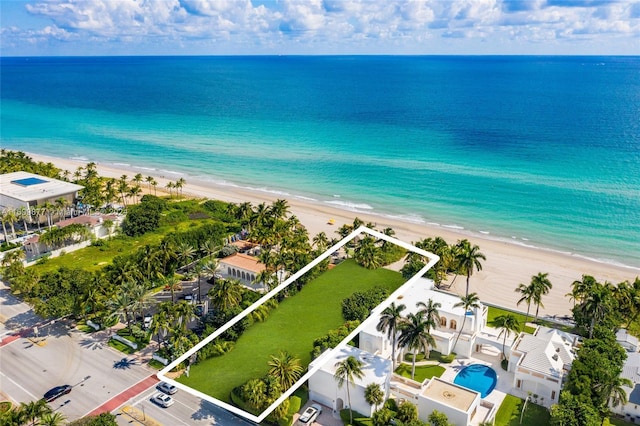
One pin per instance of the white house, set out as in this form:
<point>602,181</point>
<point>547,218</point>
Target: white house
<point>540,363</point>
<point>631,371</point>
<point>324,388</point>
<point>244,268</point>
<point>27,190</point>
<point>626,340</point>
<point>452,319</point>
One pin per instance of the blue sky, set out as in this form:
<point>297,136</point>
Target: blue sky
<point>247,27</point>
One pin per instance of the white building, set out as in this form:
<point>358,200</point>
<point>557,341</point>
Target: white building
<point>631,371</point>
<point>626,340</point>
<point>244,268</point>
<point>452,319</point>
<point>27,190</point>
<point>324,388</point>
<point>540,363</point>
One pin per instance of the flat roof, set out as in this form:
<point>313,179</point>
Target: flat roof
<point>374,368</point>
<point>450,394</point>
<point>25,186</point>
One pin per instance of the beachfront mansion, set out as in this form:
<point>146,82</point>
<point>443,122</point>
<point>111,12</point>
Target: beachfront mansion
<point>538,364</point>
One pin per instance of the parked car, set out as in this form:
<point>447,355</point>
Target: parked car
<point>57,392</point>
<point>199,311</point>
<point>162,400</point>
<point>310,415</point>
<point>167,388</point>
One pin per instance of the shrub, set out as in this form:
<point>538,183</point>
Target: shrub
<point>359,304</point>
<point>228,250</point>
<point>332,338</point>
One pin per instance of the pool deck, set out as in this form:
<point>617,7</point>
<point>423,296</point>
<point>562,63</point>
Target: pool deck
<point>491,358</point>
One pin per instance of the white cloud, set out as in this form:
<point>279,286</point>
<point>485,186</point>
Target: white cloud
<point>339,25</point>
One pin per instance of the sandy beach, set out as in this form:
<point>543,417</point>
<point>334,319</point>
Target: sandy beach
<point>507,264</point>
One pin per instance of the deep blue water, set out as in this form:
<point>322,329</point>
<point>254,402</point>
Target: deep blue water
<point>478,377</point>
<point>536,150</point>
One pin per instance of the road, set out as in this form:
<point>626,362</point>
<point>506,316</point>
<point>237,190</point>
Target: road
<point>31,366</point>
<point>187,410</point>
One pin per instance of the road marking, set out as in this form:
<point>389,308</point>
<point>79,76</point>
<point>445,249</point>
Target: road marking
<point>18,385</point>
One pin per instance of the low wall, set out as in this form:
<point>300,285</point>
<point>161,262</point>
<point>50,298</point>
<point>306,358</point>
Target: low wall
<point>125,341</point>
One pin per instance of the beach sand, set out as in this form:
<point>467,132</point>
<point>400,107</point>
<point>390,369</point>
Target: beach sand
<point>507,265</point>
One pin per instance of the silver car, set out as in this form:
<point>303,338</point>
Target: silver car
<point>167,388</point>
<point>162,400</point>
<point>310,415</point>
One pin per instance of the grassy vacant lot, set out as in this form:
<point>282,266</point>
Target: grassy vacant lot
<point>509,413</point>
<point>292,326</point>
<point>422,371</point>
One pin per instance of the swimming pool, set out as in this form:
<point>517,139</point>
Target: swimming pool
<point>478,377</point>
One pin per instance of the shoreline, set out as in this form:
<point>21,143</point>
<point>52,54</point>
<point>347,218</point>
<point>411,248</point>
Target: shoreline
<point>508,262</point>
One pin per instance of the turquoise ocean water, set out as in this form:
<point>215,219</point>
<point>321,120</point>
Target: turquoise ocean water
<point>543,151</point>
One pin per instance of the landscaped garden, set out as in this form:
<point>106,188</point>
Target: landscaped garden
<point>423,372</point>
<point>293,326</point>
<point>511,409</point>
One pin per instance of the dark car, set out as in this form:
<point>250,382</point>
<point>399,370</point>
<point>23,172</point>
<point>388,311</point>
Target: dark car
<point>57,392</point>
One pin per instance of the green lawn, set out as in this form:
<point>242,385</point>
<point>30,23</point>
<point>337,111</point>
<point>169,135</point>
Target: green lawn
<point>619,422</point>
<point>496,312</point>
<point>422,371</point>
<point>292,326</point>
<point>509,413</point>
<point>93,258</point>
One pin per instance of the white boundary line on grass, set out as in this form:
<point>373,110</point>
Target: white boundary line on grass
<point>328,354</point>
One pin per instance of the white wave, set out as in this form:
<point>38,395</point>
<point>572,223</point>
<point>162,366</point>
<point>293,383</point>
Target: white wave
<point>484,232</point>
<point>336,196</point>
<point>302,197</point>
<point>433,223</point>
<point>267,190</point>
<point>350,206</point>
<point>172,172</point>
<point>151,169</point>
<point>79,158</point>
<point>411,218</point>
<point>453,227</point>
<point>122,164</point>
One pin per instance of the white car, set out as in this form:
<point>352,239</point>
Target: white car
<point>162,400</point>
<point>310,415</point>
<point>167,388</point>
<point>148,320</point>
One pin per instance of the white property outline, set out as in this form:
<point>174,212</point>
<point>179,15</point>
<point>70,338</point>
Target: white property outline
<point>327,355</point>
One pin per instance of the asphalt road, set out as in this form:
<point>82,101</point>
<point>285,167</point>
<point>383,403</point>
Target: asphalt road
<point>186,410</point>
<point>30,366</point>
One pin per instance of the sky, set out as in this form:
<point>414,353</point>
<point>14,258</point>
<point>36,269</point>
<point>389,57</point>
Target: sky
<point>326,27</point>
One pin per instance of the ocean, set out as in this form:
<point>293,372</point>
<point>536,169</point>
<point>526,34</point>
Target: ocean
<point>540,151</point>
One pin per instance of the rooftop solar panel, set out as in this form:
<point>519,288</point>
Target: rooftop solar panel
<point>29,181</point>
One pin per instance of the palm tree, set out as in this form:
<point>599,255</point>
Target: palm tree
<point>149,180</point>
<point>138,178</point>
<point>61,204</point>
<point>209,247</point>
<point>468,260</point>
<point>430,313</point>
<point>52,419</point>
<point>185,253</point>
<point>614,390</point>
<point>279,208</point>
<point>121,306</point>
<point>154,183</point>
<point>506,324</point>
<point>3,215</point>
<point>374,395</point>
<point>597,304</point>
<point>254,392</point>
<point>528,294</point>
<point>48,211</point>
<point>415,336</point>
<point>367,253</point>
<point>286,368</point>
<point>226,294</point>
<point>34,410</point>
<point>468,302</point>
<point>580,289</point>
<point>172,282</point>
<point>180,183</point>
<point>123,188</point>
<point>134,192</point>
<point>11,218</point>
<point>170,185</point>
<point>347,371</point>
<point>389,322</point>
<point>541,285</point>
